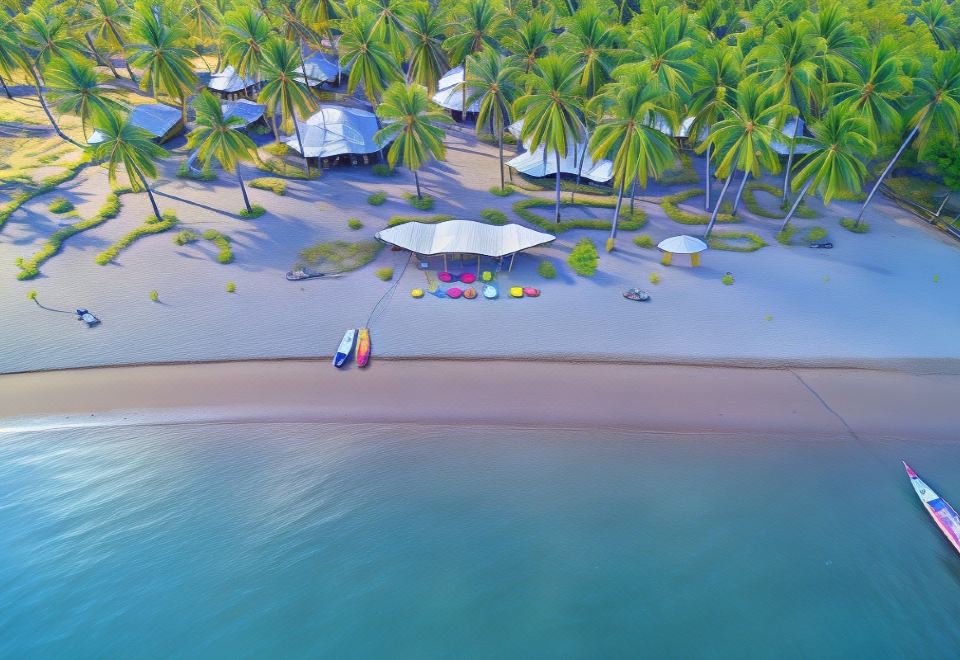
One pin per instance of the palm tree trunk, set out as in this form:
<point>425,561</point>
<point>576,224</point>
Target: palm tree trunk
<point>296,128</point>
<point>743,184</point>
<point>633,195</point>
<point>6,91</point>
<point>616,211</point>
<point>146,186</point>
<point>416,180</point>
<point>706,183</point>
<point>583,157</point>
<point>243,190</point>
<point>46,110</point>
<point>889,166</point>
<point>463,114</point>
<point>98,57</point>
<point>786,176</point>
<point>713,216</point>
<point>500,147</point>
<point>796,203</point>
<point>557,154</point>
<point>123,47</point>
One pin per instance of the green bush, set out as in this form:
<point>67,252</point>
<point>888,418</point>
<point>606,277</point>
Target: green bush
<point>546,269</point>
<point>184,171</point>
<point>681,173</point>
<point>750,201</point>
<point>154,296</point>
<point>494,217</point>
<point>727,279</point>
<point>273,184</point>
<point>60,205</point>
<point>32,294</point>
<point>231,287</point>
<point>185,236</point>
<point>427,219</point>
<point>354,224</point>
<point>628,221</point>
<point>277,149</point>
<point>382,169</point>
<point>785,236</point>
<point>643,241</point>
<point>339,256</point>
<point>654,278</point>
<point>255,212</point>
<point>377,198</point>
<point>152,226</point>
<point>584,258</point>
<point>506,191</point>
<point>225,256</point>
<point>815,235</point>
<point>749,242</point>
<point>385,274</point>
<point>549,184</point>
<point>424,203</point>
<point>48,184</point>
<point>670,204</point>
<point>851,225</point>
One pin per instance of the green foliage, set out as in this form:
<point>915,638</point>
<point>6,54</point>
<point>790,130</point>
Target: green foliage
<point>548,184</point>
<point>628,221</point>
<point>750,201</point>
<point>184,171</point>
<point>32,294</point>
<point>643,241</point>
<point>546,269</point>
<point>424,203</point>
<point>377,198</point>
<point>382,169</point>
<point>815,235</point>
<point>354,224</point>
<point>851,225</point>
<point>919,191</point>
<point>255,212</point>
<point>785,237</point>
<point>494,216</point>
<point>278,149</point>
<point>47,185</point>
<point>282,168</point>
<point>670,204</point>
<point>152,226</point>
<point>385,274</point>
<point>225,256</point>
<point>743,241</point>
<point>231,287</point>
<point>727,279</point>
<point>584,258</point>
<point>654,278</point>
<point>154,296</point>
<point>60,205</point>
<point>506,191</point>
<point>427,219</point>
<point>683,173</point>
<point>277,186</point>
<point>945,157</point>
<point>339,256</point>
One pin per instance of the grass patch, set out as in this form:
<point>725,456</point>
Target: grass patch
<point>494,216</point>
<point>354,224</point>
<point>743,241</point>
<point>30,268</point>
<point>506,191</point>
<point>377,198</point>
<point>424,203</point>
<point>670,204</point>
<point>628,221</point>
<point>681,173</point>
<point>282,168</point>
<point>845,196</point>
<point>273,184</point>
<point>643,241</point>
<point>48,184</point>
<point>487,138</point>
<point>278,149</point>
<point>427,219</point>
<point>154,296</point>
<point>151,226</point>
<point>547,270</point>
<point>750,201</point>
<point>785,237</point>
<point>184,171</point>
<point>185,237</point>
<point>255,212</point>
<point>727,279</point>
<point>919,191</point>
<point>385,274</point>
<point>231,287</point>
<point>584,258</point>
<point>60,205</point>
<point>339,256</point>
<point>32,294</point>
<point>654,278</point>
<point>815,235</point>
<point>382,169</point>
<point>222,241</point>
<point>851,225</point>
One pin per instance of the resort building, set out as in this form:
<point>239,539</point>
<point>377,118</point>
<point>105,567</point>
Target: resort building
<point>248,111</point>
<point>161,121</point>
<point>537,163</point>
<point>337,131</point>
<point>230,85</point>
<point>450,95</point>
<point>322,68</point>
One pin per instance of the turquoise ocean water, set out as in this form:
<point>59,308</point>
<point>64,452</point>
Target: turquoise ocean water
<point>281,540</point>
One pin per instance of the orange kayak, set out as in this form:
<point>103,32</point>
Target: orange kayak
<point>363,347</point>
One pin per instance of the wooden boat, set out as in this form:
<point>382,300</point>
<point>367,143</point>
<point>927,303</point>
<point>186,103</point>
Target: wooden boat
<point>345,348</point>
<point>303,274</point>
<point>942,513</point>
<point>87,317</point>
<point>363,347</point>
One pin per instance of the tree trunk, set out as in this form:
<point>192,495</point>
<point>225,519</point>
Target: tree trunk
<point>557,154</point>
<point>616,211</point>
<point>123,47</point>
<point>796,203</point>
<point>98,57</point>
<point>583,157</point>
<point>713,216</point>
<point>889,166</point>
<point>243,190</point>
<point>786,176</point>
<point>416,180</point>
<point>633,195</point>
<point>6,91</point>
<point>743,184</point>
<point>296,128</point>
<point>46,110</point>
<point>463,114</point>
<point>706,183</point>
<point>500,147</point>
<point>146,186</point>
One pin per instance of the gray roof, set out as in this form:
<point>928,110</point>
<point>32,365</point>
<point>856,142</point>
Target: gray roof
<point>335,130</point>
<point>228,82</point>
<point>321,68</point>
<point>246,110</point>
<point>155,118</point>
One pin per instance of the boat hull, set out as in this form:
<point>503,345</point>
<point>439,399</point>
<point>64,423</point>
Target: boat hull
<point>345,349</point>
<point>940,511</point>
<point>363,347</point>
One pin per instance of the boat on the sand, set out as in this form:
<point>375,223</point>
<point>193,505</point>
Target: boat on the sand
<point>88,318</point>
<point>942,513</point>
<point>304,274</point>
<point>363,347</point>
<point>345,348</point>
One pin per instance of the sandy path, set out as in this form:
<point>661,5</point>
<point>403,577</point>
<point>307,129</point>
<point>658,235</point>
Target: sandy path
<point>824,402</point>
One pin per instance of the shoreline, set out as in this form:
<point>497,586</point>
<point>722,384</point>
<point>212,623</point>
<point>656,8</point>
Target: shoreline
<point>658,398</point>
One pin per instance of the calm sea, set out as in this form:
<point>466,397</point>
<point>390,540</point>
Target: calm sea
<point>277,540</point>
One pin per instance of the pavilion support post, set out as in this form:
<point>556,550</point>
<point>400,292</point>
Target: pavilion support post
<point>445,268</point>
<point>512,257</point>
<point>667,258</point>
<point>478,266</point>
<point>694,259</point>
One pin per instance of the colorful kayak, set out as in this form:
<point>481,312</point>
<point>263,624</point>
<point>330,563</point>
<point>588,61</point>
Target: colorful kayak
<point>345,348</point>
<point>363,347</point>
<point>942,513</point>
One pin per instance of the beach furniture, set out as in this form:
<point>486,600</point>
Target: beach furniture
<point>454,292</point>
<point>417,293</point>
<point>467,278</point>
<point>363,347</point>
<point>303,274</point>
<point>681,244</point>
<point>486,276</point>
<point>345,348</point>
<point>469,293</point>
<point>636,294</point>
<point>824,246</point>
<point>530,292</point>
<point>942,513</point>
<point>516,292</point>
<point>438,292</point>
<point>88,318</point>
<point>445,277</point>
<point>490,292</point>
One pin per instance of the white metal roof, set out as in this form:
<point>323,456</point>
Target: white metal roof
<point>682,244</point>
<point>246,110</point>
<point>452,77</point>
<point>451,98</point>
<point>463,236</point>
<point>783,148</point>
<point>155,118</point>
<point>533,163</point>
<point>320,68</point>
<point>336,130</point>
<point>228,82</point>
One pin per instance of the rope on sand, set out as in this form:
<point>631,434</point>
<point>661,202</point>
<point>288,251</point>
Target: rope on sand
<point>381,305</point>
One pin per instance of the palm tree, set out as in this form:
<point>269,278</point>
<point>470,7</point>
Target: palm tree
<point>743,138</point>
<point>202,20</point>
<point>939,18</point>
<point>552,109</point>
<point>493,84</point>
<point>787,66</point>
<point>220,138</point>
<point>665,49</point>
<point>46,35</point>
<point>840,141</point>
<point>424,29</point>
<point>410,122</point>
<point>832,26</point>
<point>156,46</point>
<point>388,24</point>
<point>595,43</point>
<point>244,34</point>
<point>530,38</point>
<point>284,94</point>
<point>11,54</point>
<point>131,147</point>
<point>639,151</point>
<point>75,87</point>
<point>938,113</point>
<point>371,63</point>
<point>475,27</point>
<point>109,20</point>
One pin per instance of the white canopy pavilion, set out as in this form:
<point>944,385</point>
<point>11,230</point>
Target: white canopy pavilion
<point>537,164</point>
<point>682,244</point>
<point>337,130</point>
<point>450,94</point>
<point>229,83</point>
<point>248,111</point>
<point>321,68</point>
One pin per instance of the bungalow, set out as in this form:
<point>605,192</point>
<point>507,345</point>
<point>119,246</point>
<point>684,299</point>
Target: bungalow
<point>162,122</point>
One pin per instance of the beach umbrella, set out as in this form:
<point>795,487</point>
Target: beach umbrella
<point>682,244</point>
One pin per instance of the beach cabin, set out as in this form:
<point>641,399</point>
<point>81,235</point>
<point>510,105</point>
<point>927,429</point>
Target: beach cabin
<point>336,133</point>
<point>161,121</point>
<point>322,68</point>
<point>538,164</point>
<point>250,112</point>
<point>230,85</point>
<point>450,95</point>
<point>783,147</point>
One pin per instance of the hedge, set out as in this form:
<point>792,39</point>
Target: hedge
<point>628,221</point>
<point>670,204</point>
<point>750,201</point>
<point>719,241</point>
<point>222,241</point>
<point>152,226</point>
<point>273,184</point>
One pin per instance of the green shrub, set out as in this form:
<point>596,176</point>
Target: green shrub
<point>184,171</point>
<point>815,235</point>
<point>231,287</point>
<point>48,184</point>
<point>584,258</point>
<point>225,256</point>
<point>385,274</point>
<point>643,241</point>
<point>546,269</point>
<point>494,216</point>
<point>750,201</point>
<point>427,219</point>
<point>785,237</point>
<point>32,294</point>
<point>654,278</point>
<point>727,279</point>
<point>152,226</point>
<point>277,149</point>
<point>339,256</point>
<point>273,184</point>
<point>549,184</point>
<point>851,225</point>
<point>670,204</point>
<point>424,203</point>
<point>628,221</point>
<point>377,198</point>
<point>382,169</point>
<point>506,191</point>
<point>185,236</point>
<point>255,212</point>
<point>681,173</point>
<point>154,296</point>
<point>354,224</point>
<point>749,242</point>
<point>60,205</point>
<point>936,278</point>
